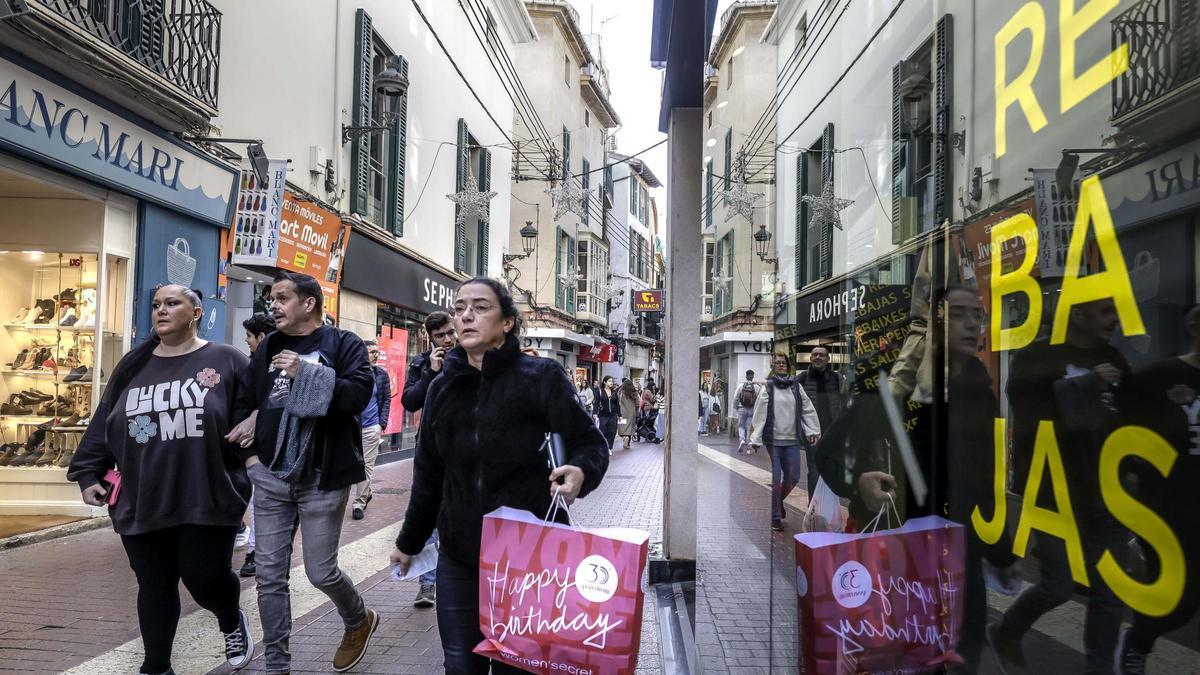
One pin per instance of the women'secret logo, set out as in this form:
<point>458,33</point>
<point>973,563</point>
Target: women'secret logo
<point>851,584</point>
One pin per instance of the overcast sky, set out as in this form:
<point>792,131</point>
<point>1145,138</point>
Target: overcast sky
<point>624,27</point>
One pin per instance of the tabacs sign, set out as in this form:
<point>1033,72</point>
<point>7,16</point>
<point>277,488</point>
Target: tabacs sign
<point>648,301</point>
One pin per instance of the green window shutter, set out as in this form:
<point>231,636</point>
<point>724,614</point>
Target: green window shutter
<point>719,289</point>
<point>558,260</point>
<point>460,179</point>
<point>571,269</point>
<point>729,273</point>
<point>632,254</point>
<point>398,153</point>
<point>632,194</point>
<point>360,151</point>
<point>485,225</point>
<point>801,257</point>
<point>728,156</point>
<point>943,90</point>
<point>585,179</point>
<point>826,243</point>
<point>708,193</point>
<point>898,157</point>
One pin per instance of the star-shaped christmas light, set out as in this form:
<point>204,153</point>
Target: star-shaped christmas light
<point>473,204</point>
<point>566,198</point>
<point>826,207</point>
<point>740,201</point>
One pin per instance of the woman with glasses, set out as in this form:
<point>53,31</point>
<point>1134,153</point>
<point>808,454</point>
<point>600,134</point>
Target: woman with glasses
<point>485,418</point>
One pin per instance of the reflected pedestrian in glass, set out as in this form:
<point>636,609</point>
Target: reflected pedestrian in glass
<point>784,419</point>
<point>628,406</point>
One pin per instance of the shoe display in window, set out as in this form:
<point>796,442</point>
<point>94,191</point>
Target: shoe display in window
<point>21,356</point>
<point>67,295</point>
<point>19,317</point>
<point>77,374</point>
<point>46,311</point>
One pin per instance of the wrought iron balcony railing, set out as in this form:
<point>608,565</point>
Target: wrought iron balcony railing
<point>1164,51</point>
<point>179,40</point>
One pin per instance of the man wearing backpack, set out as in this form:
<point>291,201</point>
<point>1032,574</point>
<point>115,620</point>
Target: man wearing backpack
<point>747,394</point>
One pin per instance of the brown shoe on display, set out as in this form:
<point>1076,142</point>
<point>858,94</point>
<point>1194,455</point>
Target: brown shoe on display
<point>354,643</point>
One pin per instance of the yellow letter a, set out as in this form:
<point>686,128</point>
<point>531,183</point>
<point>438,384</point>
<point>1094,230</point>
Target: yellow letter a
<point>1060,523</point>
<point>1113,282</point>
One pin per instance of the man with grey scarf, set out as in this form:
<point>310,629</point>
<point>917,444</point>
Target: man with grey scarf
<point>307,384</point>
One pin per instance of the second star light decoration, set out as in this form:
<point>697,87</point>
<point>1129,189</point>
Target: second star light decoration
<point>566,198</point>
<point>826,207</point>
<point>473,204</point>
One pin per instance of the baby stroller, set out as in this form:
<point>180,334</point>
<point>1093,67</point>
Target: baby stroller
<point>645,429</point>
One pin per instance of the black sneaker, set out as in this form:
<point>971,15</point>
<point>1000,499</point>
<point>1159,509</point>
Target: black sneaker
<point>357,513</point>
<point>249,569</point>
<point>1009,657</point>
<point>1126,659</point>
<point>239,645</point>
<point>426,596</point>
<point>777,524</point>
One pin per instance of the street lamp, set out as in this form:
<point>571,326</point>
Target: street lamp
<point>762,243</point>
<point>529,235</point>
<point>391,83</point>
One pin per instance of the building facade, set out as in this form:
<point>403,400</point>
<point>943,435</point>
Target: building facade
<point>739,286</point>
<point>634,267</point>
<point>561,130</point>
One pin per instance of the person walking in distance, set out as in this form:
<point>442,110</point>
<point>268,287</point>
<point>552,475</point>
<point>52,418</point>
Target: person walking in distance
<point>439,328</point>
<point>257,328</point>
<point>183,491</point>
<point>628,406</point>
<point>608,410</point>
<point>374,421</point>
<point>747,395</point>
<point>1076,386</point>
<point>823,385</point>
<point>308,384</point>
<point>784,418</point>
<point>477,450</point>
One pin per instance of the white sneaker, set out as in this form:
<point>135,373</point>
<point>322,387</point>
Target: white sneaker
<point>242,538</point>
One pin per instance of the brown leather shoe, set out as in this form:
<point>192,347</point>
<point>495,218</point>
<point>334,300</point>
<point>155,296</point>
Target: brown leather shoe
<point>354,643</point>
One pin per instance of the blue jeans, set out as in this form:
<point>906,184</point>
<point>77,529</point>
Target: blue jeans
<point>430,577</point>
<point>278,508</point>
<point>458,621</point>
<point>744,415</point>
<point>785,473</point>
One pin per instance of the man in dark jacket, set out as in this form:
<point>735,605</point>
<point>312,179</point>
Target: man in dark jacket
<point>421,371</point>
<point>314,496</point>
<point>428,364</point>
<point>823,385</point>
<point>374,423</point>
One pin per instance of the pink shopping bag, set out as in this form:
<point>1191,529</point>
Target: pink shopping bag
<point>887,601</point>
<point>556,599</point>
